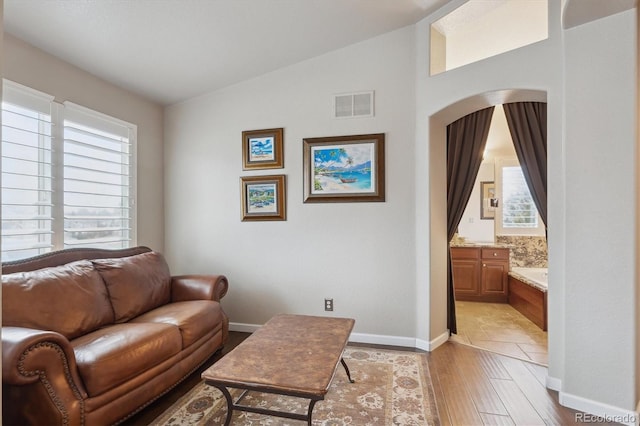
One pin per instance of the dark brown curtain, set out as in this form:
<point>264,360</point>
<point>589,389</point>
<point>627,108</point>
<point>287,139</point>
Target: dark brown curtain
<point>466,139</point>
<point>528,126</point>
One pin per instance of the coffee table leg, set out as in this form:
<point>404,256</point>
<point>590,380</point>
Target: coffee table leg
<point>312,403</point>
<point>344,364</point>
<point>229,399</point>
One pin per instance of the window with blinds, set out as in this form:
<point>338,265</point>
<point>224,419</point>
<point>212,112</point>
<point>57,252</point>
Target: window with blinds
<point>97,180</point>
<point>518,209</point>
<point>27,173</point>
<point>517,213</point>
<point>67,176</point>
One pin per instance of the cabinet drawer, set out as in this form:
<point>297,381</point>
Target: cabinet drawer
<point>465,253</point>
<point>495,253</point>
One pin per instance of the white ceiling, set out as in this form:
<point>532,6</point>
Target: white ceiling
<point>171,50</point>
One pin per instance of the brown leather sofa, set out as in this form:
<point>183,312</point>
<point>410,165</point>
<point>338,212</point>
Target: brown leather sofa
<point>91,336</point>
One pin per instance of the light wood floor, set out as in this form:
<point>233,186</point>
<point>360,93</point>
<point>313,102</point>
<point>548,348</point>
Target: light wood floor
<point>472,387</point>
<point>500,328</point>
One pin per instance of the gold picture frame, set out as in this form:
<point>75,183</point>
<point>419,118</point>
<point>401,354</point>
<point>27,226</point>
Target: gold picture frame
<point>344,169</point>
<point>263,198</point>
<point>262,149</point>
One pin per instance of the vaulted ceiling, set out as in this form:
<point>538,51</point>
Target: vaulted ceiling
<point>171,50</point>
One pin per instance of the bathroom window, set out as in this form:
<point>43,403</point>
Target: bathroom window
<point>516,213</point>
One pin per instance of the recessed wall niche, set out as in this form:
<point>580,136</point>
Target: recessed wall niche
<point>480,29</point>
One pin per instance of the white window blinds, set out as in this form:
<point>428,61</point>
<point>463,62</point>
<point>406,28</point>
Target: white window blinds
<point>98,198</point>
<point>517,213</point>
<point>518,210</point>
<point>27,172</point>
<point>68,176</point>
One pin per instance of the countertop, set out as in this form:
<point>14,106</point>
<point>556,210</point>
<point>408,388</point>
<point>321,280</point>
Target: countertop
<point>478,244</point>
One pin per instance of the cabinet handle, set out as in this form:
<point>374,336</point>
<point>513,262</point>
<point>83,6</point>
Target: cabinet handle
<point>495,254</point>
<point>484,265</point>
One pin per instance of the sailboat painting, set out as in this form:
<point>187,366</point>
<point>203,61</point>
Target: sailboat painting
<point>344,168</point>
<point>340,169</point>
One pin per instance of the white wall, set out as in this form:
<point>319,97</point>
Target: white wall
<point>34,68</point>
<point>472,227</point>
<point>359,254</point>
<point>508,26</point>
<point>601,145</point>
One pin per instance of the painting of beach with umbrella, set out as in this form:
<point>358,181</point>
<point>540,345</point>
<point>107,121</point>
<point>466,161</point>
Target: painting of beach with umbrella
<point>343,169</point>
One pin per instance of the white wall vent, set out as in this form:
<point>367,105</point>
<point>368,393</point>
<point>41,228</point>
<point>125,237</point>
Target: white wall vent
<point>351,105</point>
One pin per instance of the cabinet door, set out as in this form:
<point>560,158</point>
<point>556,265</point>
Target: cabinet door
<point>494,277</point>
<point>466,277</point>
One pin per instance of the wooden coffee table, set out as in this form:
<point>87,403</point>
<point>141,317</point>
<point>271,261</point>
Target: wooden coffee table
<point>293,355</point>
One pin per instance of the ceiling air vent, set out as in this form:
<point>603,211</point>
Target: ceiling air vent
<point>351,105</point>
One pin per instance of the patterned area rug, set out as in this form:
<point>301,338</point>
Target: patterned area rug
<point>391,388</point>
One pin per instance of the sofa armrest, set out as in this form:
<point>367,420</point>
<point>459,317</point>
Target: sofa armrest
<point>39,370</point>
<point>198,287</point>
<point>30,355</point>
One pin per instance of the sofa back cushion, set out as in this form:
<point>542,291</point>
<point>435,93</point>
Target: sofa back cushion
<point>136,284</point>
<point>70,299</point>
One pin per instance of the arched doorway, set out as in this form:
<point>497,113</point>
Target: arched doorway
<point>438,244</point>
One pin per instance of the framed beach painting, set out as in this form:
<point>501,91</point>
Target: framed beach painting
<point>262,149</point>
<point>344,169</point>
<point>263,197</point>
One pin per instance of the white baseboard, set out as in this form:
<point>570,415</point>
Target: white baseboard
<point>423,344</point>
<point>374,339</point>
<point>597,411</point>
<point>439,340</point>
<point>554,383</point>
<point>409,342</point>
<point>379,339</point>
<point>243,328</point>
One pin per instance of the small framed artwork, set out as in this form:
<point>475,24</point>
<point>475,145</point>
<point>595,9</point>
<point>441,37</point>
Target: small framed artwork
<point>262,149</point>
<point>344,169</point>
<point>263,197</point>
<point>488,200</point>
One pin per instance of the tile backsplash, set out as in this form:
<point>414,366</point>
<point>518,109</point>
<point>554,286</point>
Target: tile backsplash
<point>526,251</point>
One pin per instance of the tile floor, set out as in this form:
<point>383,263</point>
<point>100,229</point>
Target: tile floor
<point>500,328</point>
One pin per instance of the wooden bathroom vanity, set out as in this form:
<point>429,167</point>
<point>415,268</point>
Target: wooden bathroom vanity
<point>480,273</point>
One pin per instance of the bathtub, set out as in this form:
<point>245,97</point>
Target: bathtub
<point>535,277</point>
<point>528,293</point>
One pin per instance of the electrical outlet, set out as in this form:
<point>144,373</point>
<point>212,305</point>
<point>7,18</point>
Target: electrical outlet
<point>328,304</point>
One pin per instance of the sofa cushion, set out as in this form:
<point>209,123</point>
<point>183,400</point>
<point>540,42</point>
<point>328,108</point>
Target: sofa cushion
<point>136,284</point>
<point>70,299</point>
<point>194,318</point>
<point>114,354</point>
